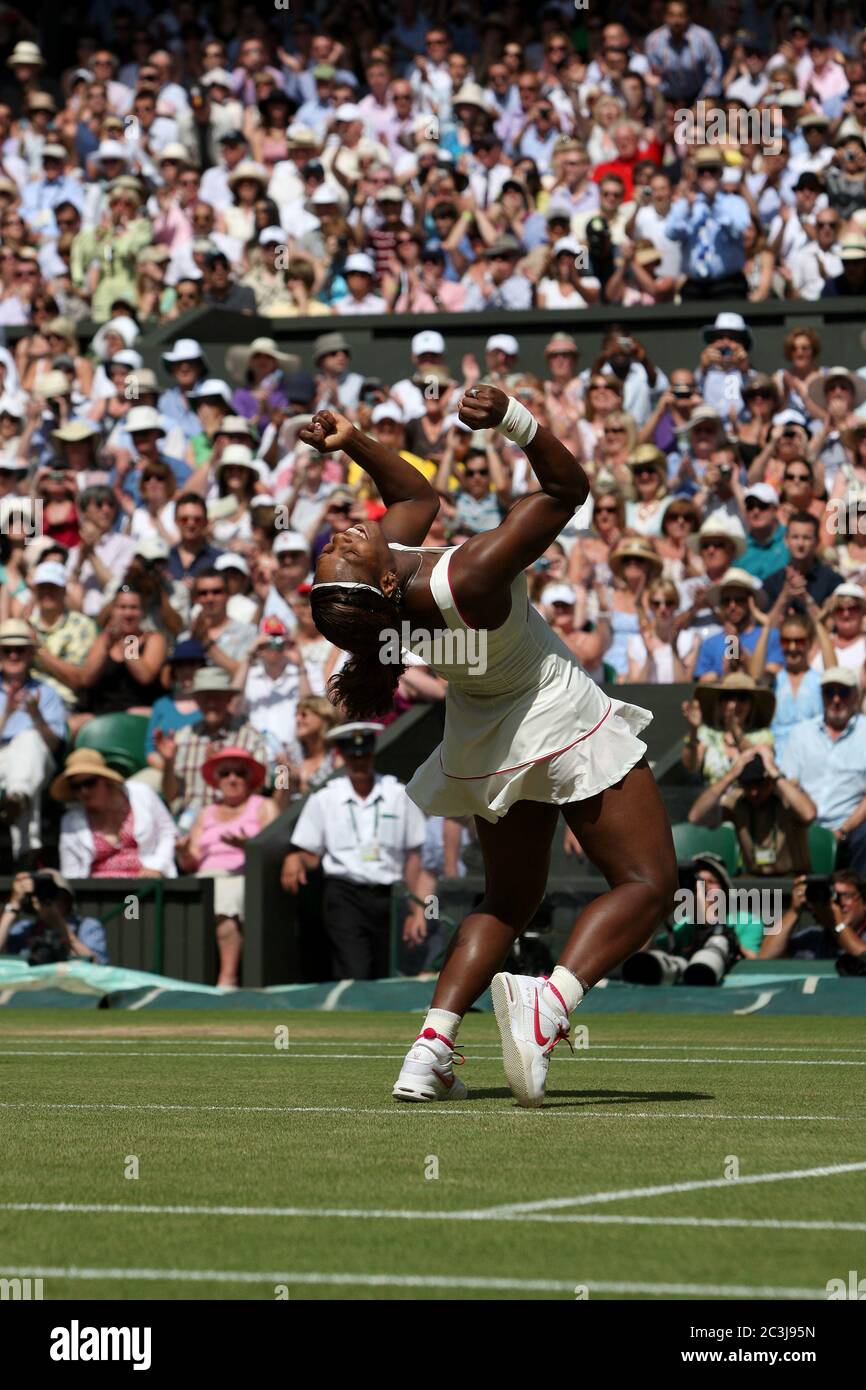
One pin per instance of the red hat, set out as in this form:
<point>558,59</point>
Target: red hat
<point>304,589</point>
<point>274,627</point>
<point>232,753</point>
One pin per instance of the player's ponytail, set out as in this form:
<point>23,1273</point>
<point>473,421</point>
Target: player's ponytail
<point>361,622</point>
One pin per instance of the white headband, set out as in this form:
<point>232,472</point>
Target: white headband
<point>346,584</point>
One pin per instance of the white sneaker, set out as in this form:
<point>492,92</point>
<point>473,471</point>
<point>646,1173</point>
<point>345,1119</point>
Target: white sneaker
<point>427,1071</point>
<point>532,1020</point>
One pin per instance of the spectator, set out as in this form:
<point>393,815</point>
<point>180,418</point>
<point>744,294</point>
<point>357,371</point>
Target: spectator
<point>41,924</point>
<point>193,553</point>
<point>806,576</point>
<point>123,665</point>
<point>840,921</point>
<point>769,813</point>
<point>494,283</point>
<point>115,829</point>
<point>766,550</point>
<point>216,846</point>
<point>725,720</point>
<point>798,687</point>
<point>827,760</point>
<point>710,226</point>
<point>729,650</point>
<point>343,828</point>
<point>660,655</point>
<point>64,635</point>
<point>32,734</point>
<point>633,564</point>
<point>178,708</point>
<point>183,755</point>
<point>685,57</point>
<point>845,610</point>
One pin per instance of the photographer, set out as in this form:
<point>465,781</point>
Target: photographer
<point>627,360</point>
<point>705,938</point>
<point>38,922</point>
<point>165,603</point>
<point>837,903</point>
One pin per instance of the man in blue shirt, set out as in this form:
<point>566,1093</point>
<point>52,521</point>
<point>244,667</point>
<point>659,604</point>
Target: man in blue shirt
<point>50,930</point>
<point>41,197</point>
<point>32,730</point>
<point>722,653</point>
<point>710,226</point>
<point>767,549</point>
<point>828,760</point>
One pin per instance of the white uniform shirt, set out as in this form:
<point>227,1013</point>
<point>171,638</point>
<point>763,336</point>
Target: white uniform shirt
<point>348,832</point>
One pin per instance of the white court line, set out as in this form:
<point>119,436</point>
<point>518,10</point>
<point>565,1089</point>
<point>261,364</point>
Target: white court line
<point>590,1199</point>
<point>268,1044</point>
<point>582,1056</point>
<point>410,1281</point>
<point>420,1111</point>
<point>389,1214</point>
<point>497,1213</point>
<point>430,1111</point>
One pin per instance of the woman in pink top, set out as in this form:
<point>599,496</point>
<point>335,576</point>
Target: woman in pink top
<point>216,845</point>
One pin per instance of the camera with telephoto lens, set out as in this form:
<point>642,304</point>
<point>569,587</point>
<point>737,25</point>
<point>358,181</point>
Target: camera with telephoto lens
<point>653,968</point>
<point>48,945</point>
<point>710,961</point>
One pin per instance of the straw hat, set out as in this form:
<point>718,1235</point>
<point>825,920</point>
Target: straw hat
<point>635,548</point>
<point>818,388</point>
<point>248,169</point>
<point>647,455</point>
<point>737,683</point>
<point>725,527</point>
<point>83,762</point>
<point>731,579</point>
<point>233,754</point>
<point>238,357</point>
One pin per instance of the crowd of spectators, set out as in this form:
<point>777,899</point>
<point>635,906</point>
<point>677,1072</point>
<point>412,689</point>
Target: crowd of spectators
<point>159,525</point>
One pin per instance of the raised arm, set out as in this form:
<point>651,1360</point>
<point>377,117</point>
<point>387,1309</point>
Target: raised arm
<point>412,503</point>
<point>484,567</point>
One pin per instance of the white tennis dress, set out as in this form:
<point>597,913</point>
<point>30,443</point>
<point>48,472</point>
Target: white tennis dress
<point>523,720</point>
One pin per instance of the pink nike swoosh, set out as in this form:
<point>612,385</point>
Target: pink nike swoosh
<point>539,1036</point>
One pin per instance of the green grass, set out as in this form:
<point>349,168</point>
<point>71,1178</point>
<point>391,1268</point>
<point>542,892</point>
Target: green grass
<point>618,1117</point>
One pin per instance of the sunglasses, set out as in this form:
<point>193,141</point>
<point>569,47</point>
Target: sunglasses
<point>643,472</point>
<point>798,478</point>
<point>614,429</point>
<point>222,772</point>
<point>477,473</point>
<point>599,510</point>
<point>849,609</point>
<point>793,641</point>
<point>754,505</point>
<point>836,692</point>
<point>83,784</point>
<point>663,603</point>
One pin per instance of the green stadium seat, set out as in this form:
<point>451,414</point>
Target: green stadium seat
<point>690,840</point>
<point>119,738</point>
<point>822,849</point>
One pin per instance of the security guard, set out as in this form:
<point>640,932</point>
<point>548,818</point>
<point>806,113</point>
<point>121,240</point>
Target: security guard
<point>367,835</point>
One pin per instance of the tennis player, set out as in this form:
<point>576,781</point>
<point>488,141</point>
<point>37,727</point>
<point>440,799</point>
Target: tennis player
<point>527,735</point>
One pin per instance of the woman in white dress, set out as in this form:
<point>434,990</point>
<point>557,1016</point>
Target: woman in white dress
<point>527,735</point>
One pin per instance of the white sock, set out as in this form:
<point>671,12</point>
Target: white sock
<point>443,1022</point>
<point>569,986</point>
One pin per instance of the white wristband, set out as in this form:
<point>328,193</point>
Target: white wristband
<point>518,424</point>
